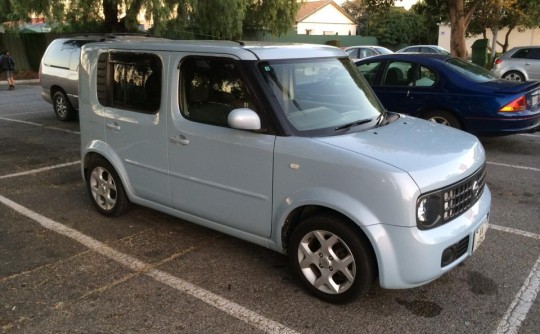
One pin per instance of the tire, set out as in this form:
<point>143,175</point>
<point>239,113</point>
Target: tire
<point>62,107</point>
<point>105,188</point>
<point>513,76</point>
<point>334,262</point>
<point>444,118</point>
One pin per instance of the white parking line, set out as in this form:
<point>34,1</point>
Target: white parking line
<point>39,170</point>
<point>515,231</point>
<point>529,135</point>
<point>40,125</point>
<point>251,318</point>
<point>513,166</point>
<point>517,312</point>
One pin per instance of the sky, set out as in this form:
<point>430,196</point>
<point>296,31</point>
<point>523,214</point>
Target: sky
<point>404,3</point>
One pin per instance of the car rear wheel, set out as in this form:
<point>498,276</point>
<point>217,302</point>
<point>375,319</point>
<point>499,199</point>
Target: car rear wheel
<point>513,76</point>
<point>62,107</point>
<point>105,188</point>
<point>444,118</point>
<point>333,261</point>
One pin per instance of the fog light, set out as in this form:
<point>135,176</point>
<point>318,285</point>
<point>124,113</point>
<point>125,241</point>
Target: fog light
<point>448,256</point>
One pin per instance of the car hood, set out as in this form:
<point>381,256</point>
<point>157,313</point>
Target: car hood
<point>433,155</point>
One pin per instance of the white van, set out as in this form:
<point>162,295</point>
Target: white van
<point>285,146</point>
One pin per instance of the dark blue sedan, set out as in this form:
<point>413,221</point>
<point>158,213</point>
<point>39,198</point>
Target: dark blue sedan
<point>453,92</point>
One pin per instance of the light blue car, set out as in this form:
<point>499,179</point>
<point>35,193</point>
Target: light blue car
<point>285,146</point>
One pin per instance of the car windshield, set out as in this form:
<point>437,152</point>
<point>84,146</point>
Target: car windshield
<point>470,70</point>
<point>322,96</point>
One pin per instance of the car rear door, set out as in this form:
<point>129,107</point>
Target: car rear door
<point>532,64</point>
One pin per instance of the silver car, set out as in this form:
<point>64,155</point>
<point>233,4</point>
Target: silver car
<point>363,51</point>
<point>424,49</point>
<point>285,146</point>
<point>519,64</point>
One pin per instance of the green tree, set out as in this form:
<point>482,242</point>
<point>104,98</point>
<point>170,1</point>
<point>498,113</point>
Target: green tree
<point>274,16</point>
<point>459,14</point>
<point>396,27</point>
<point>217,18</point>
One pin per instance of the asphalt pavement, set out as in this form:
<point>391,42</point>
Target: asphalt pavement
<point>64,268</point>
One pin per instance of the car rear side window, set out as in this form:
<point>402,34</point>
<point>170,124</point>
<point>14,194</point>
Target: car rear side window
<point>521,53</point>
<point>130,80</point>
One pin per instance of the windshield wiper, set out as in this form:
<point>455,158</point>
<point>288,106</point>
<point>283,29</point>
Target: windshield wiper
<point>355,123</point>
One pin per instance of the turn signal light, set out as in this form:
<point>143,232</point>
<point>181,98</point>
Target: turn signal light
<point>518,104</point>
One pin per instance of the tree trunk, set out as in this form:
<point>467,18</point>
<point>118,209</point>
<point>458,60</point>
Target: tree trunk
<point>494,33</point>
<point>458,47</point>
<point>506,37</point>
<point>110,11</point>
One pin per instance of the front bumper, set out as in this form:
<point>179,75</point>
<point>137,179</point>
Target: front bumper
<point>409,257</point>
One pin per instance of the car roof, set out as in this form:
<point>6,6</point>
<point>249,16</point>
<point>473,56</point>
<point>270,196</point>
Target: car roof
<point>243,50</point>
<point>408,57</point>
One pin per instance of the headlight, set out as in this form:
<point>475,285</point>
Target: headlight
<point>429,209</point>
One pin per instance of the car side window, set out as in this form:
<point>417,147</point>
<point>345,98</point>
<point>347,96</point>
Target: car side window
<point>369,71</point>
<point>534,54</point>
<point>420,76</point>
<point>211,88</point>
<point>129,80</point>
<point>521,53</point>
<point>396,74</point>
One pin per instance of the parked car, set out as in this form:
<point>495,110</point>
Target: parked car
<point>363,51</point>
<point>453,92</point>
<point>519,64</point>
<point>424,49</point>
<point>59,72</point>
<point>285,146</point>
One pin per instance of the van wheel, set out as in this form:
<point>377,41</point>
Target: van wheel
<point>444,118</point>
<point>513,76</point>
<point>105,188</point>
<point>62,107</point>
<point>333,261</point>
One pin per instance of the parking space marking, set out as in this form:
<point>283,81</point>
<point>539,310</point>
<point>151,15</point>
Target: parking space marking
<point>250,317</point>
<point>515,231</point>
<point>513,166</point>
<point>529,135</point>
<point>26,113</point>
<point>517,312</point>
<point>39,170</point>
<point>40,125</point>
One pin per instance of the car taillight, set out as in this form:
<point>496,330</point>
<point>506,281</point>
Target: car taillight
<point>518,104</point>
<point>498,61</point>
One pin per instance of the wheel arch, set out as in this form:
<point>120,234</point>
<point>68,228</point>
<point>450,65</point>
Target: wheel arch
<point>299,214</point>
<point>98,149</point>
<point>423,112</point>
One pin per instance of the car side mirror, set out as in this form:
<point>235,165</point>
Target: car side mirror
<point>244,119</point>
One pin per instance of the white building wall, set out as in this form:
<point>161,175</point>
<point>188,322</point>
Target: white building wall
<point>327,21</point>
<point>516,38</point>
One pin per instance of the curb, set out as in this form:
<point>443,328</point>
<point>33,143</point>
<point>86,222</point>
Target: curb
<point>30,81</point>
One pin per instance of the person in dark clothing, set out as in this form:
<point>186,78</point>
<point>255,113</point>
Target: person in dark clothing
<point>8,66</point>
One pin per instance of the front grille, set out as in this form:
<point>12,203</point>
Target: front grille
<point>461,196</point>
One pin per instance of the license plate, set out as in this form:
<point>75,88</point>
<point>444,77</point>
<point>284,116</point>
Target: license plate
<point>535,99</point>
<point>480,235</point>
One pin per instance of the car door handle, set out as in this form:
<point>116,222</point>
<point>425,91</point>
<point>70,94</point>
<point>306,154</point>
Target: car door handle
<point>114,126</point>
<point>182,140</point>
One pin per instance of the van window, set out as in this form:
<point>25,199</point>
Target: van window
<point>210,88</point>
<point>128,80</point>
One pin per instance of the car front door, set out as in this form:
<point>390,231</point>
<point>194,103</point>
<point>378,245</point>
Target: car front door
<point>392,89</point>
<point>220,174</point>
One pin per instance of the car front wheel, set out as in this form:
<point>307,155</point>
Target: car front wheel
<point>333,260</point>
<point>105,188</point>
<point>62,107</point>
